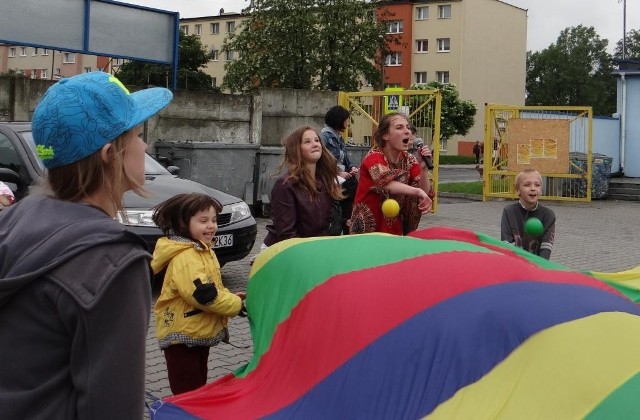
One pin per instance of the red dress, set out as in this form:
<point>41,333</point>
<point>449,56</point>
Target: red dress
<point>375,173</point>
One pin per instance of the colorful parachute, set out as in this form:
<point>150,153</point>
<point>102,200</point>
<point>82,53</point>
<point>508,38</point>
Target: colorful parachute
<point>445,324</point>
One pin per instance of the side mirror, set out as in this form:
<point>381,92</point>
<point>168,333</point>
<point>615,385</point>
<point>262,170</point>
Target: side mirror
<point>175,170</point>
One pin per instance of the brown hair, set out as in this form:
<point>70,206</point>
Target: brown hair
<point>173,216</point>
<point>76,181</point>
<point>383,127</point>
<point>518,178</point>
<point>326,167</point>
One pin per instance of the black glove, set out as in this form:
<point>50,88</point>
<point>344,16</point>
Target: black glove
<point>204,294</point>
<point>243,311</point>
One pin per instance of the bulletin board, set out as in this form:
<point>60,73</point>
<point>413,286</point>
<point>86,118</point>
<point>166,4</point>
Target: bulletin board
<point>538,144</point>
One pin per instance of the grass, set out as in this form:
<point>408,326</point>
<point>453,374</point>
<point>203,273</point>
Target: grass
<point>474,187</point>
<point>456,160</point>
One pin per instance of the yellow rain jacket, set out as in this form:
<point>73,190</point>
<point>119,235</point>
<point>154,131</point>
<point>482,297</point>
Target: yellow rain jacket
<point>179,317</point>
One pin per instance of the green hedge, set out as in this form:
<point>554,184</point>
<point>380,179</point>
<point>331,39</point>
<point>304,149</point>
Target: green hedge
<point>456,160</point>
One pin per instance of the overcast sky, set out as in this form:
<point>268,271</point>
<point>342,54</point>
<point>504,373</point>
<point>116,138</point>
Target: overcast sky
<point>546,18</point>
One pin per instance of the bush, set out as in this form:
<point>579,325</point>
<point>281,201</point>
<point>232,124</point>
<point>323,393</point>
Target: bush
<point>456,160</point>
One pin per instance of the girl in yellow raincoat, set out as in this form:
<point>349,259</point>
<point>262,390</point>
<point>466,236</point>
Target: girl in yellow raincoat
<point>194,306</point>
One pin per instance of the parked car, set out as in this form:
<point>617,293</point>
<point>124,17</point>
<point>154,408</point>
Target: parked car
<point>22,170</point>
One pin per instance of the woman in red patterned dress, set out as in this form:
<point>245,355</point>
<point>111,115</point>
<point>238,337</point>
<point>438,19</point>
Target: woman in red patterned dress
<point>390,171</point>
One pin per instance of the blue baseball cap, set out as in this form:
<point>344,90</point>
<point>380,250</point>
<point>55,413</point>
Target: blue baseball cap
<point>80,114</point>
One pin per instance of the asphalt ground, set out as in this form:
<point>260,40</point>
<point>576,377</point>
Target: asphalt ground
<point>598,236</point>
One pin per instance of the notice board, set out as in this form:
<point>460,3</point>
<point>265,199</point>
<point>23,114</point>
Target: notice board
<point>538,144</point>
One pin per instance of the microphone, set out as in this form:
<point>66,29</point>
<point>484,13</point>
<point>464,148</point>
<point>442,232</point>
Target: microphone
<point>418,143</point>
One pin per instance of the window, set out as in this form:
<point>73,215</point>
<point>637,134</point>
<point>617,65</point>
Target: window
<point>45,51</point>
<point>444,11</point>
<point>185,29</point>
<point>68,58</point>
<point>442,76</point>
<point>229,55</point>
<point>444,45</point>
<point>395,27</point>
<point>421,77</point>
<point>12,52</point>
<point>198,30</point>
<point>34,74</point>
<point>23,51</point>
<point>443,145</point>
<point>231,27</point>
<point>214,54</point>
<point>58,73</point>
<point>87,69</point>
<point>393,59</point>
<point>422,45</point>
<point>367,140</point>
<point>214,81</point>
<point>44,74</point>
<point>214,28</point>
<point>35,51</point>
<point>422,13</point>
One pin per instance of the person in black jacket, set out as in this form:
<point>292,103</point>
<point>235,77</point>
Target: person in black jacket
<point>528,185</point>
<point>75,289</point>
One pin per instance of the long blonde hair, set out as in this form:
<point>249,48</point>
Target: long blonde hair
<point>326,167</point>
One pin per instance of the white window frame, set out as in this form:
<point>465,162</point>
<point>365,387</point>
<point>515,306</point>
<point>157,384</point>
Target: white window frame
<point>12,52</point>
<point>87,70</point>
<point>228,56</point>
<point>34,52</point>
<point>395,27</point>
<point>444,11</point>
<point>422,46</point>
<point>421,77</point>
<point>393,59</point>
<point>198,29</point>
<point>443,77</point>
<point>214,82</point>
<point>231,26</point>
<point>68,58</point>
<point>444,44</point>
<point>214,28</point>
<point>185,29</point>
<point>45,51</point>
<point>23,51</point>
<point>422,13</point>
<point>44,74</point>
<point>215,55</point>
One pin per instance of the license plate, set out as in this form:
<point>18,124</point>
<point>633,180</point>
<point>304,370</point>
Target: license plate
<point>222,241</point>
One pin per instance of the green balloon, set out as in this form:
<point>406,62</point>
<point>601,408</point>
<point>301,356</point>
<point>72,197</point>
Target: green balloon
<point>533,227</point>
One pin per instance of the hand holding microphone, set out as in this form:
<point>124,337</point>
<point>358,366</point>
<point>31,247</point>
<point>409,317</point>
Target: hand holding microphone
<point>419,144</point>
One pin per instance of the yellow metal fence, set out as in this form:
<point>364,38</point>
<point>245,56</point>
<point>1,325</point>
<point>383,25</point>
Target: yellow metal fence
<point>556,141</point>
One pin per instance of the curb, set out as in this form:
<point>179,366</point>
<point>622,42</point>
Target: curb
<point>472,197</point>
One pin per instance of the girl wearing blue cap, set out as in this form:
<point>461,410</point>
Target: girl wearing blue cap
<point>74,283</point>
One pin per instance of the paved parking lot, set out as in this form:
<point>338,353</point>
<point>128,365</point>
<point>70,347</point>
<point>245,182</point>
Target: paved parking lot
<point>600,236</point>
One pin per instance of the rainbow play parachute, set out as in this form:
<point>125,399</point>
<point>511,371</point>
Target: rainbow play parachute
<point>447,324</point>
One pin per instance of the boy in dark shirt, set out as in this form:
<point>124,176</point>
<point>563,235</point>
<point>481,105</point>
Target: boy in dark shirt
<point>529,188</point>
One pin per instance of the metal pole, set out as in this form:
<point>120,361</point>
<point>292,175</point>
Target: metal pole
<point>624,29</point>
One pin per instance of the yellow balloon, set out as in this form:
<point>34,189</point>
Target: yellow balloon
<point>390,208</point>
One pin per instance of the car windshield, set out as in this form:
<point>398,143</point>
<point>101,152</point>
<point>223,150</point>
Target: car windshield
<point>153,167</point>
<point>32,145</point>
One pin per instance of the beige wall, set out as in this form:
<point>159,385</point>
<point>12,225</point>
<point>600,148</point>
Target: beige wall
<point>45,62</point>
<point>493,56</point>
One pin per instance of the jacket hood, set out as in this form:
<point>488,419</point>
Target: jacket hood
<point>169,247</point>
<point>40,233</point>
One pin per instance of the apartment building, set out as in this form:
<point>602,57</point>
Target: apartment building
<point>478,45</point>
<point>213,30</point>
<point>43,63</point>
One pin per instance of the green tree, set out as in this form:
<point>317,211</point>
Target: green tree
<point>632,46</point>
<point>577,70</point>
<point>192,56</point>
<point>305,44</point>
<point>457,116</point>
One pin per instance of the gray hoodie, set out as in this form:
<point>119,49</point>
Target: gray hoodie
<point>75,302</point>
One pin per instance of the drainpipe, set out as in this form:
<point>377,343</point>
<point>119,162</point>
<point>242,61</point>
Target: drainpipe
<point>623,118</point>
